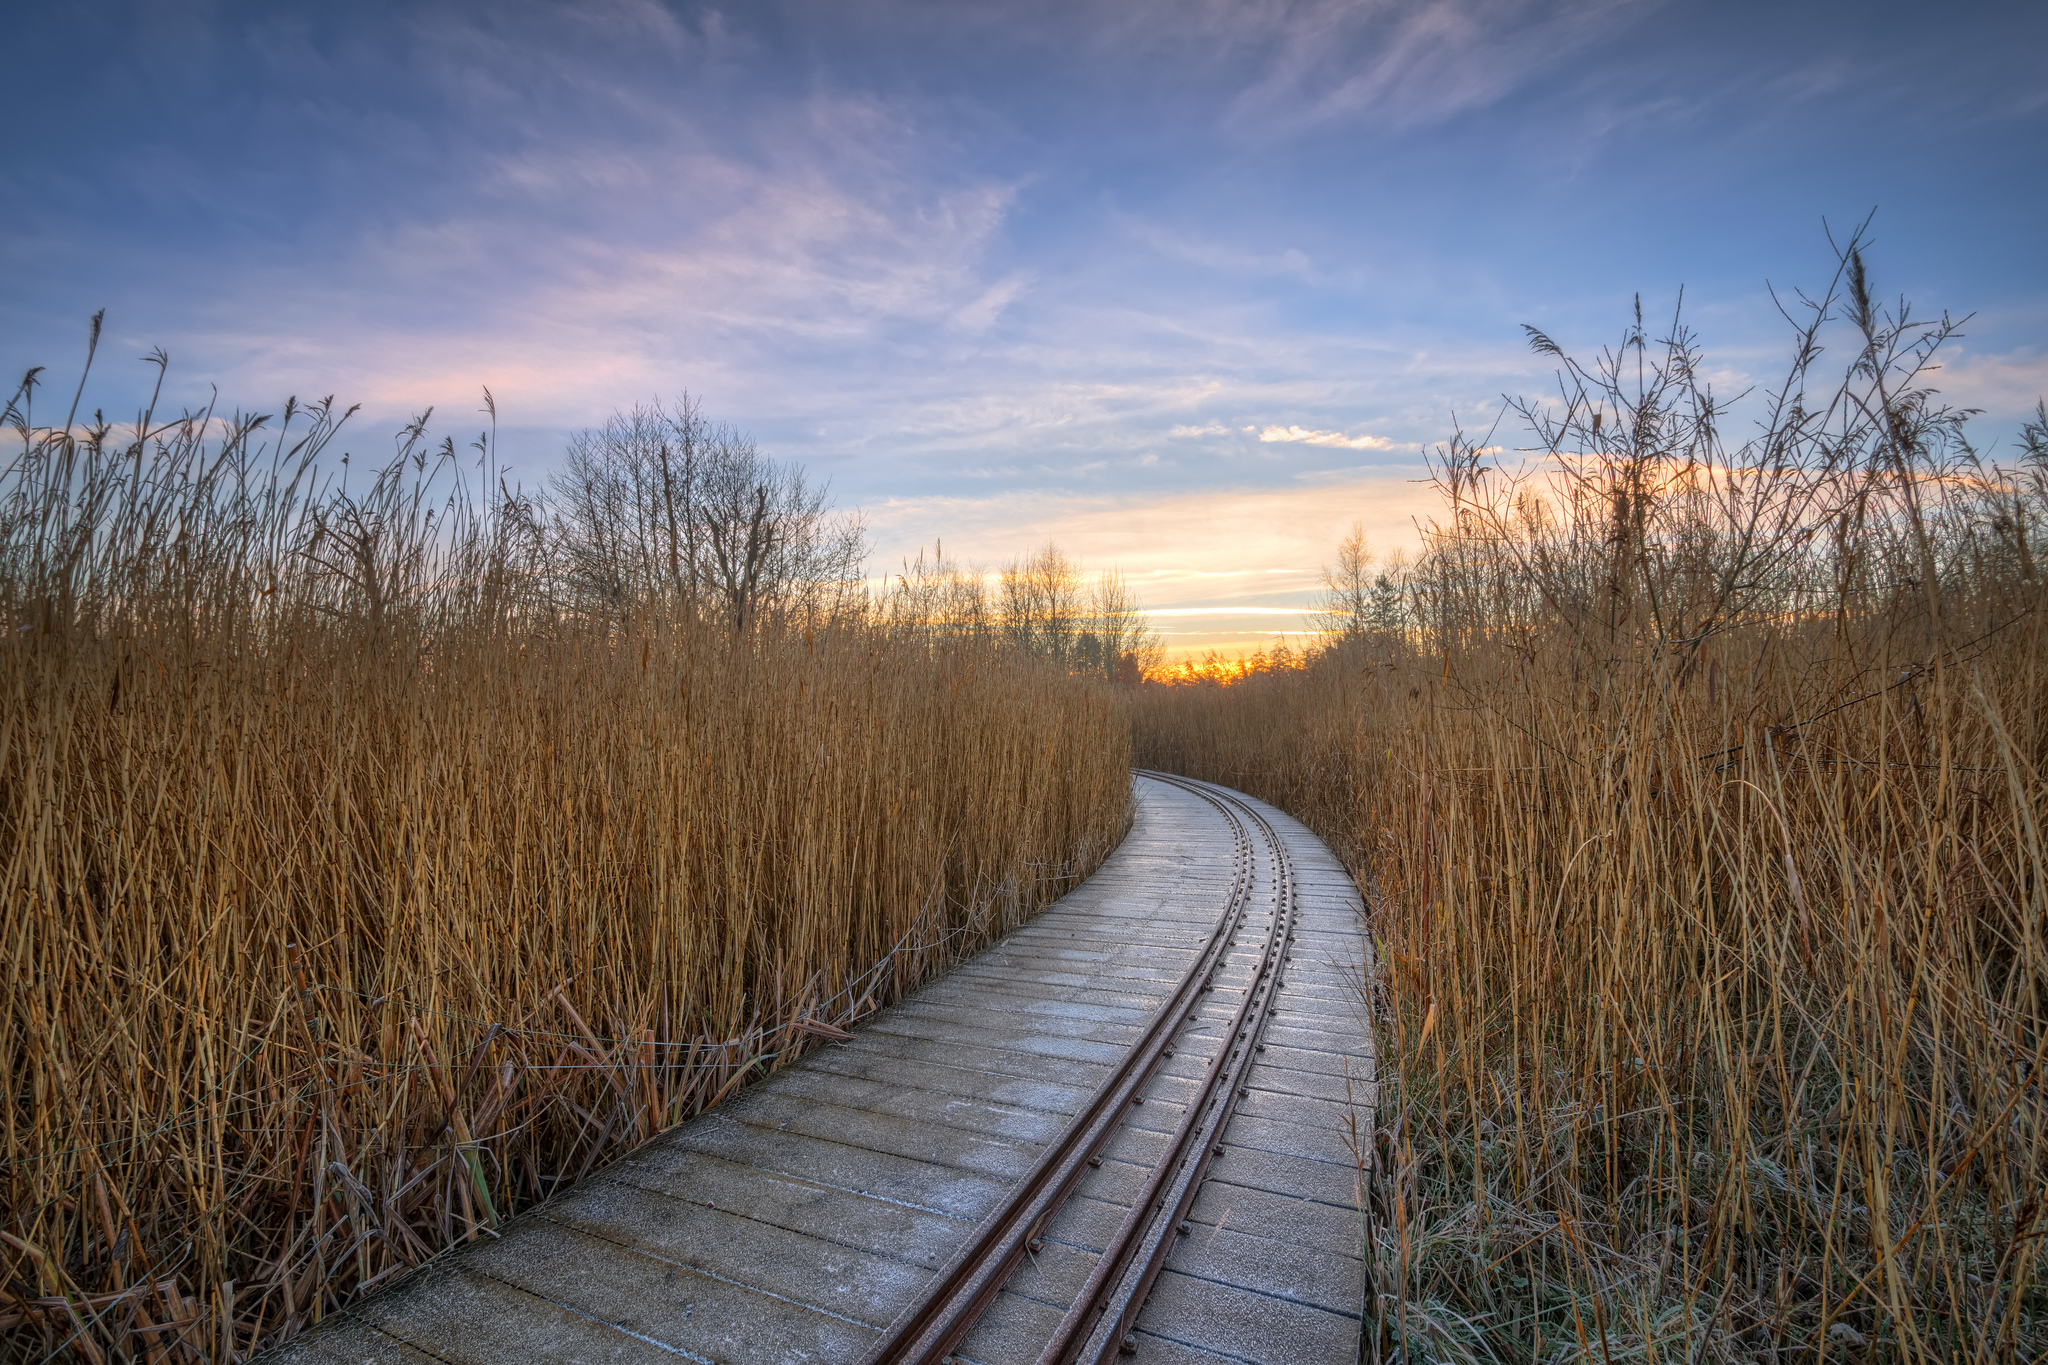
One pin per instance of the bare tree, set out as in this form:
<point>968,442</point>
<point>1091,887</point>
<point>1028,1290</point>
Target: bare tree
<point>772,549</point>
<point>1040,601</point>
<point>1125,647</point>
<point>1045,605</point>
<point>1344,607</point>
<point>660,506</point>
<point>626,527</point>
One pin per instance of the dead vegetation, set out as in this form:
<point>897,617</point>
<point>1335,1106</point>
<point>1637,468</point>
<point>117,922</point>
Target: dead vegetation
<point>374,866</point>
<point>1697,797</point>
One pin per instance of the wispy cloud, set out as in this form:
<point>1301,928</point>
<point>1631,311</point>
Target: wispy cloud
<point>1403,65</point>
<point>2008,383</point>
<point>999,271</point>
<point>1293,614</point>
<point>1231,565</point>
<point>1299,435</point>
<point>678,263</point>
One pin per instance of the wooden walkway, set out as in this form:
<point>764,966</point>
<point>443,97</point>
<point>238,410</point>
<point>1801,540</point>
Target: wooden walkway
<point>797,1220</point>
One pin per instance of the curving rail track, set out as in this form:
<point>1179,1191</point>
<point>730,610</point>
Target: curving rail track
<point>1099,1325</point>
<point>1125,1131</point>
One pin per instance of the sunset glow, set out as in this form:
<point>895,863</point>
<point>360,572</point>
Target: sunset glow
<point>1188,289</point>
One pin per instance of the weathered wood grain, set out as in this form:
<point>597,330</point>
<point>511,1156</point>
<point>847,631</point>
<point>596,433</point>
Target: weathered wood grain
<point>795,1221</point>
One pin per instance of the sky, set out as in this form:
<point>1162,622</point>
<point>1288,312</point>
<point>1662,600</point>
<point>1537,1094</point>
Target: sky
<point>1188,287</point>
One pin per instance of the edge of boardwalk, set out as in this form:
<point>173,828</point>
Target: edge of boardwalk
<point>795,1220</point>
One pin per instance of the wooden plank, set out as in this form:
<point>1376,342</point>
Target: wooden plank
<point>882,1226</point>
<point>795,1221</point>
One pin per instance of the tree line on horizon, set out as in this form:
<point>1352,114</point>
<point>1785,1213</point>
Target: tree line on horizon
<point>1363,601</point>
<point>390,847</point>
<point>658,512</point>
<point>662,505</point>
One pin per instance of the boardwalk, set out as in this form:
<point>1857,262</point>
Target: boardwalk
<point>797,1221</point>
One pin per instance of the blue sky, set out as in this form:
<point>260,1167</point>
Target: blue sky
<point>1005,271</point>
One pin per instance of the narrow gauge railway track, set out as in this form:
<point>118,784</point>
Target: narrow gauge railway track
<point>1100,1325</point>
<point>795,1221</point>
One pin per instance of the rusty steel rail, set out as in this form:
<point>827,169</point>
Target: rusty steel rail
<point>1098,1327</point>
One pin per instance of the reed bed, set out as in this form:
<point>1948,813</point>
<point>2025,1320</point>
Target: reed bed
<point>1698,805</point>
<point>358,893</point>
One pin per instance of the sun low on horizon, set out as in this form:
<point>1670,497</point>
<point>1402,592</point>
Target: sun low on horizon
<point>955,682</point>
<point>1190,290</point>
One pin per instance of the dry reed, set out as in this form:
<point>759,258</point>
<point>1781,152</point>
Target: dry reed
<point>1698,808</point>
<point>357,894</point>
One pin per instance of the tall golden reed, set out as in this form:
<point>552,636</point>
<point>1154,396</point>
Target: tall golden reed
<point>356,895</point>
<point>1699,810</point>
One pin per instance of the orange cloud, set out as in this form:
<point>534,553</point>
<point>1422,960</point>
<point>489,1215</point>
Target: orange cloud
<point>1221,568</point>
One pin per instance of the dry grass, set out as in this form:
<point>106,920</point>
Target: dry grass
<point>1699,810</point>
<point>356,894</point>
